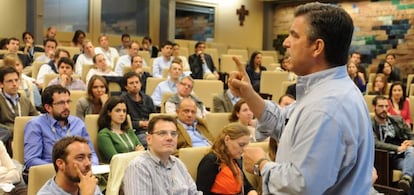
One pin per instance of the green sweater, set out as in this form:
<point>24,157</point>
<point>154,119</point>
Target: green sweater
<point>110,143</point>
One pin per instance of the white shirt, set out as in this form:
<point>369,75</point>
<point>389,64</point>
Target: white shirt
<point>82,59</point>
<point>109,54</point>
<point>95,71</point>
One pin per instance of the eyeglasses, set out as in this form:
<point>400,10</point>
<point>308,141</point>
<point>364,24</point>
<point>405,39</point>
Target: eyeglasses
<point>164,133</point>
<point>61,103</point>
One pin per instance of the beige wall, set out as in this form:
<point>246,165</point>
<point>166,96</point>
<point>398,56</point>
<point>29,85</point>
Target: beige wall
<point>13,18</point>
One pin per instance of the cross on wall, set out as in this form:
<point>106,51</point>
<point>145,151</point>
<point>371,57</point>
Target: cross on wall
<point>242,12</point>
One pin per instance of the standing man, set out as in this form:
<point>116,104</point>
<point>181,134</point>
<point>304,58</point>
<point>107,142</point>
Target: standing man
<point>157,171</point>
<point>201,64</point>
<point>393,134</point>
<point>72,161</point>
<point>45,130</point>
<point>327,145</point>
<point>139,105</point>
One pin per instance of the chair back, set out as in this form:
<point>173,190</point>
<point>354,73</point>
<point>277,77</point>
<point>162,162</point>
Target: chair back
<point>75,95</point>
<point>85,70</point>
<point>191,157</point>
<point>38,176</point>
<point>18,137</point>
<point>271,83</point>
<point>216,122</point>
<point>48,78</point>
<point>227,64</point>
<point>118,165</point>
<point>207,89</point>
<point>36,67</point>
<point>152,84</point>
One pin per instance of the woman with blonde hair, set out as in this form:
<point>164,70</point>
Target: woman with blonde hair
<point>220,171</point>
<point>380,85</point>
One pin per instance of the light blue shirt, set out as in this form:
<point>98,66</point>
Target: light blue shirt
<point>147,175</point>
<point>125,61</point>
<point>166,86</point>
<point>51,187</point>
<point>327,146</point>
<point>159,64</point>
<point>196,138</point>
<point>233,98</point>
<point>43,131</point>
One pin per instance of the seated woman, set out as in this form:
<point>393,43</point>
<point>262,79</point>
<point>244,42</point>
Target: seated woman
<point>357,77</point>
<point>77,40</point>
<point>254,69</point>
<point>380,85</point>
<point>388,71</point>
<point>220,171</point>
<point>241,113</point>
<point>115,136</point>
<point>398,104</point>
<point>97,96</point>
<point>285,64</point>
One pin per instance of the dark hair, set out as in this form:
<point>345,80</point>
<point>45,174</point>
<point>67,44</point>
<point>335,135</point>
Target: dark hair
<point>50,40</point>
<point>376,98</point>
<point>92,81</point>
<point>66,61</point>
<point>104,120</point>
<point>95,56</point>
<point>59,148</point>
<point>403,97</point>
<point>199,43</point>
<point>390,54</point>
<point>3,43</point>
<point>76,36</point>
<point>133,57</point>
<point>129,75</point>
<point>236,109</point>
<point>285,95</point>
<point>166,43</point>
<point>252,57</point>
<point>27,33</point>
<point>7,70</point>
<point>12,39</point>
<point>133,42</point>
<point>147,38</point>
<point>333,25</point>
<point>157,118</point>
<point>176,44</point>
<point>47,94</point>
<point>58,51</point>
<point>125,35</point>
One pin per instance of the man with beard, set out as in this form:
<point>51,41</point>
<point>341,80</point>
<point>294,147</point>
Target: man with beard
<point>393,134</point>
<point>44,130</point>
<point>72,162</point>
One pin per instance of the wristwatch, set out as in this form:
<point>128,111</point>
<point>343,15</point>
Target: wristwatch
<point>256,166</point>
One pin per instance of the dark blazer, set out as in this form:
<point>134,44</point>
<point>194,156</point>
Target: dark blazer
<point>222,103</point>
<point>22,57</point>
<point>402,132</point>
<point>31,55</point>
<point>196,65</point>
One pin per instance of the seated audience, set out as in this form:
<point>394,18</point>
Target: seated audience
<point>380,85</point>
<point>100,67</point>
<point>12,46</point>
<point>355,57</point>
<point>50,33</point>
<point>52,66</point>
<point>170,85</point>
<point>241,113</point>
<point>201,64</point>
<point>157,171</point>
<point>254,69</point>
<point>285,66</point>
<point>147,46</point>
<point>393,134</point>
<point>220,171</point>
<point>388,71</point>
<point>125,60</point>
<point>184,89</point>
<point>97,95</point>
<point>71,158</point>
<point>193,131</point>
<point>29,47</point>
<point>50,46</point>
<point>356,76</point>
<point>65,78</point>
<point>77,39</point>
<point>26,83</point>
<point>136,66</point>
<point>390,59</point>
<point>176,54</point>
<point>115,135</point>
<point>45,130</point>
<point>140,105</point>
<point>286,100</point>
<point>398,103</point>
<point>225,101</point>
<point>86,57</point>
<point>110,53</point>
<point>123,48</point>
<point>164,61</point>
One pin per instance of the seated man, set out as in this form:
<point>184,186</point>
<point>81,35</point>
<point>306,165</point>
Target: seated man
<point>170,85</point>
<point>65,69</point>
<point>13,48</point>
<point>164,61</point>
<point>193,131</point>
<point>100,68</point>
<point>157,171</point>
<point>72,161</point>
<point>201,64</point>
<point>393,134</point>
<point>52,66</point>
<point>110,53</point>
<point>125,60</point>
<point>185,87</point>
<point>225,101</point>
<point>139,105</point>
<point>50,46</point>
<point>43,131</point>
<point>85,57</point>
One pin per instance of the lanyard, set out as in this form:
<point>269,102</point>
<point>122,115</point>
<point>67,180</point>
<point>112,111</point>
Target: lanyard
<point>131,146</point>
<point>10,105</point>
